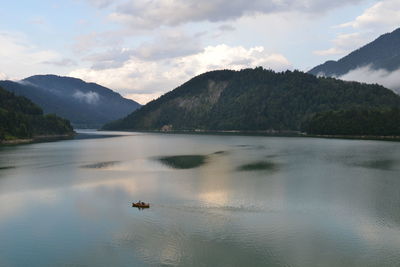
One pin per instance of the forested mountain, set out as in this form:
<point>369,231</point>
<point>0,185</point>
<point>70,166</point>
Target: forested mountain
<point>20,118</point>
<point>361,121</point>
<point>252,100</point>
<point>383,53</point>
<point>86,105</point>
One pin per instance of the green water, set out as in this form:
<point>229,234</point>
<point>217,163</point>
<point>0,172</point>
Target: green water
<point>299,202</point>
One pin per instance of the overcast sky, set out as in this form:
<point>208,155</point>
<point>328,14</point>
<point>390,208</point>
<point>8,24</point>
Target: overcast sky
<point>144,48</point>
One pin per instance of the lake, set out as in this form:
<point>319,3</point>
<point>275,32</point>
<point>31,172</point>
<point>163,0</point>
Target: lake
<point>235,201</point>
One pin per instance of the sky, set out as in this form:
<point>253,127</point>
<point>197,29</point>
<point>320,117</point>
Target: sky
<point>145,48</point>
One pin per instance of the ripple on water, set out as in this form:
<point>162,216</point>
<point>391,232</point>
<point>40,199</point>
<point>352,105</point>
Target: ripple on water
<point>211,208</point>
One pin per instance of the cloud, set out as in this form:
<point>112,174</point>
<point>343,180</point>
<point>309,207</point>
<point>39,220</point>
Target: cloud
<point>169,45</point>
<point>90,98</point>
<point>113,58</point>
<point>20,57</point>
<point>367,74</point>
<point>3,76</point>
<point>37,20</point>
<point>226,27</point>
<point>61,62</point>
<point>343,43</point>
<point>88,42</point>
<point>146,80</point>
<point>100,3</point>
<point>382,15</point>
<point>156,13</point>
<point>329,52</point>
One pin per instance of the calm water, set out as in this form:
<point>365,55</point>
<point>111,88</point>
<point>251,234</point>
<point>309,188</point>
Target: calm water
<point>324,203</point>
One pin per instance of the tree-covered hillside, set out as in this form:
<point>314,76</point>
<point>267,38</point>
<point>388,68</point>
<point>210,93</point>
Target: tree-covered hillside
<point>20,118</point>
<point>372,122</point>
<point>252,100</point>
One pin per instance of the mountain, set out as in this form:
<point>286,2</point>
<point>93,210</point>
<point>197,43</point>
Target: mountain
<point>20,118</point>
<point>252,100</point>
<point>356,121</point>
<point>86,105</point>
<point>383,53</point>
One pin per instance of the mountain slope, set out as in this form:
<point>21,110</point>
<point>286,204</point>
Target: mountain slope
<point>20,118</point>
<point>359,122</point>
<point>252,99</point>
<point>84,104</point>
<point>383,53</point>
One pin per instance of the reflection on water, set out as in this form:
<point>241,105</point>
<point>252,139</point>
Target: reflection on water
<point>101,165</point>
<point>382,164</point>
<point>6,167</point>
<point>220,152</point>
<point>258,166</point>
<point>183,162</point>
<point>330,202</point>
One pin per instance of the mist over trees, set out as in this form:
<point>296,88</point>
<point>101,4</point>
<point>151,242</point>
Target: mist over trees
<point>86,105</point>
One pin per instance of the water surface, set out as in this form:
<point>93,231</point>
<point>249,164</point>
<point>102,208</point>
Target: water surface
<point>324,203</point>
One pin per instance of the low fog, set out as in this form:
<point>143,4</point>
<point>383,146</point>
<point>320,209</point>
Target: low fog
<point>367,74</point>
<point>91,97</point>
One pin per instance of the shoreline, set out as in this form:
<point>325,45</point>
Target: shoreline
<point>271,134</point>
<point>224,132</point>
<point>38,139</point>
<point>393,138</point>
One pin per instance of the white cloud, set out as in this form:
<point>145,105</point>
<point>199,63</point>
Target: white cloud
<point>148,79</point>
<point>329,52</point>
<point>343,43</point>
<point>367,74</point>
<point>19,57</point>
<point>384,15</point>
<point>350,40</point>
<point>3,76</point>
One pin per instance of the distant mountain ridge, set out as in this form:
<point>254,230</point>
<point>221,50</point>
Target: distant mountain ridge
<point>383,53</point>
<point>86,105</point>
<point>252,100</point>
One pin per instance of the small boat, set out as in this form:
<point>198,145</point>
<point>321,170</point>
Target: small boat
<point>141,205</point>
